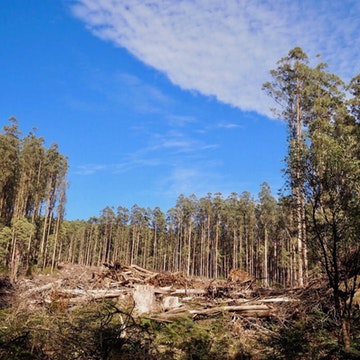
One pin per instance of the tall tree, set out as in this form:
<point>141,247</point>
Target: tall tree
<point>289,90</point>
<point>333,191</point>
<point>158,224</point>
<point>139,222</point>
<point>9,161</point>
<point>122,251</point>
<point>55,172</point>
<point>354,100</point>
<point>233,215</point>
<point>107,223</point>
<point>324,170</point>
<point>31,156</point>
<point>32,180</point>
<point>266,216</point>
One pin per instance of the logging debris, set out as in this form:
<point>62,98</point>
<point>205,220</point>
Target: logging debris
<point>162,297</point>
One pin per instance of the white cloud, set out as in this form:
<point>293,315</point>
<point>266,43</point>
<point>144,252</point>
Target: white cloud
<point>226,48</point>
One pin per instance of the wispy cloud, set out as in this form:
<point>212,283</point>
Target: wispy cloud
<point>187,180</point>
<point>227,125</point>
<point>168,149</point>
<point>226,48</point>
<point>137,89</point>
<point>129,90</point>
<point>175,141</point>
<point>89,169</point>
<point>179,120</point>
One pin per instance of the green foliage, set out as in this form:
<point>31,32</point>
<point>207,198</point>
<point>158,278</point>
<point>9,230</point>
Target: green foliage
<point>17,340</point>
<point>32,190</point>
<point>291,342</point>
<point>193,342</point>
<point>97,331</point>
<point>5,238</point>
<point>314,336</point>
<point>185,339</point>
<point>107,330</point>
<point>323,168</point>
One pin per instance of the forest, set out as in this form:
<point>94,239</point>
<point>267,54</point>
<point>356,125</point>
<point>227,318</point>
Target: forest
<point>285,240</point>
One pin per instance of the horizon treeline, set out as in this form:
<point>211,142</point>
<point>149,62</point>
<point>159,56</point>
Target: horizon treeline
<point>205,236</point>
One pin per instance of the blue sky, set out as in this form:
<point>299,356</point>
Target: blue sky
<point>153,99</point>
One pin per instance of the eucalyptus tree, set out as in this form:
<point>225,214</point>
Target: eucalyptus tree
<point>158,225</point>
<point>173,240</point>
<point>73,242</point>
<point>182,218</point>
<point>234,228</point>
<point>93,242</point>
<point>122,248</point>
<point>139,224</point>
<point>55,172</point>
<point>285,247</point>
<point>32,191</point>
<point>107,223</point>
<point>237,217</point>
<point>247,209</point>
<point>289,89</point>
<point>186,207</point>
<point>60,213</point>
<point>5,237</point>
<point>217,213</point>
<point>354,100</point>
<point>266,222</point>
<point>31,186</point>
<point>21,229</point>
<point>324,170</point>
<point>9,164</point>
<point>31,157</point>
<point>205,221</point>
<point>332,179</point>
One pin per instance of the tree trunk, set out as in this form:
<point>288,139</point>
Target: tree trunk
<point>346,337</point>
<point>266,273</point>
<point>14,262</point>
<point>189,250</point>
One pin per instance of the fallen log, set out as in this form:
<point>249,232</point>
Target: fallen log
<point>141,270</point>
<point>170,316</point>
<point>242,310</point>
<point>42,288</point>
<point>163,290</point>
<point>189,292</point>
<point>79,296</point>
<point>276,300</point>
<point>256,310</point>
<point>98,292</point>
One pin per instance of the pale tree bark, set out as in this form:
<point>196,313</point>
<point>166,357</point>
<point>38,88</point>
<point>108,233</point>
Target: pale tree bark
<point>266,265</point>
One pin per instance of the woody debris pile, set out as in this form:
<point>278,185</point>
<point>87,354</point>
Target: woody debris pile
<point>162,297</point>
